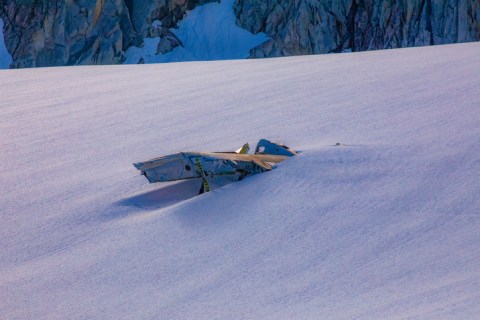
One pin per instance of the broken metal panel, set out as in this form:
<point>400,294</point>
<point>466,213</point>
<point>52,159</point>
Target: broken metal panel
<point>168,168</point>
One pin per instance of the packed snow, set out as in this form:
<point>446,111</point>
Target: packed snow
<point>208,32</point>
<point>383,226</point>
<point>5,57</point>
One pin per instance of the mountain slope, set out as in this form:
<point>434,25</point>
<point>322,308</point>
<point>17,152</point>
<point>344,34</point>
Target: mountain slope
<point>55,33</point>
<point>384,226</point>
<point>325,26</point>
<point>206,33</point>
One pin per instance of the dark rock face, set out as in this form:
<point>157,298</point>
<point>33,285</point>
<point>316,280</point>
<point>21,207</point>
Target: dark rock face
<point>54,33</point>
<point>42,33</point>
<point>323,26</point>
<point>67,32</point>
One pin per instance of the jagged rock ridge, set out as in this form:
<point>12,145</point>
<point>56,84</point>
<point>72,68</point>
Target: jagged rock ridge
<point>55,33</point>
<point>323,26</point>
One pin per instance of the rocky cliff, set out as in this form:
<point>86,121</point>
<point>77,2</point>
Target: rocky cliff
<point>67,32</point>
<point>323,26</point>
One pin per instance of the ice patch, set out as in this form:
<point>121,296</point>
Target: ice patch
<point>5,57</point>
<point>208,32</point>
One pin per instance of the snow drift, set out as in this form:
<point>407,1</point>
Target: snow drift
<point>383,226</point>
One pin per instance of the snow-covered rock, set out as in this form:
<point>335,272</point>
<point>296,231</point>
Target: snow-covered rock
<point>207,33</point>
<point>56,33</point>
<point>50,33</point>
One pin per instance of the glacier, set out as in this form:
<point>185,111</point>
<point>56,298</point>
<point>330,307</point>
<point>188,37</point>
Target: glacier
<point>383,225</point>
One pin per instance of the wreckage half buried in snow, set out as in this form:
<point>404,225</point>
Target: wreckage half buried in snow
<point>215,168</point>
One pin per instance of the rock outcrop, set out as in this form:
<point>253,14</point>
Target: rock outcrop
<point>54,33</point>
<point>65,32</point>
<point>323,26</point>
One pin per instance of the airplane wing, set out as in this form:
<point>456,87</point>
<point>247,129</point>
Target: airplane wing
<point>189,165</point>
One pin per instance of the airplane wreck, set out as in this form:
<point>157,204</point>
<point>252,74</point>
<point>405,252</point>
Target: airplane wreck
<point>215,168</point>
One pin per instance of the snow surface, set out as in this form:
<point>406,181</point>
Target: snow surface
<point>208,32</point>
<point>385,226</point>
<point>5,57</point>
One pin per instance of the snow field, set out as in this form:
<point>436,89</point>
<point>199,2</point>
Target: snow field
<point>384,226</point>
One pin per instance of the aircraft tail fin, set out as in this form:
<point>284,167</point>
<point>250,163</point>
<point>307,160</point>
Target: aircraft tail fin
<point>268,147</point>
<point>244,149</point>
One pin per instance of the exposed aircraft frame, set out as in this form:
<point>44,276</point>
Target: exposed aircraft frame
<point>214,166</point>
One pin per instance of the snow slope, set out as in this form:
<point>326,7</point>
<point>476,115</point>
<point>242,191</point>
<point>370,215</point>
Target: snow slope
<point>208,32</point>
<point>385,226</point>
<point>5,57</point>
